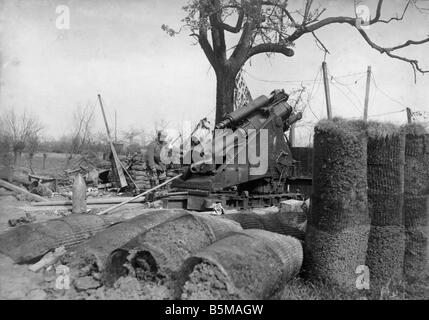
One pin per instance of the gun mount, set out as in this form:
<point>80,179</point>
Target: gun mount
<point>226,171</point>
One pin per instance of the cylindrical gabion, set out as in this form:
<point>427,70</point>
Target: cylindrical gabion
<point>386,244</point>
<point>252,264</point>
<point>270,222</point>
<point>338,226</point>
<point>27,243</point>
<point>161,250</point>
<point>416,206</point>
<point>97,249</point>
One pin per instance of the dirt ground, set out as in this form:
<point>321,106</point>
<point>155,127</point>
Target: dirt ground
<point>17,282</point>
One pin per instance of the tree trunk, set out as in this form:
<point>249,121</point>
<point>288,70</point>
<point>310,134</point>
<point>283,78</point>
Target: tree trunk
<point>30,160</point>
<point>224,94</point>
<point>17,158</point>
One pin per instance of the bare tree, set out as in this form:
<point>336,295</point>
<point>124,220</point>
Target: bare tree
<point>32,147</point>
<point>83,122</point>
<point>269,27</point>
<point>18,130</point>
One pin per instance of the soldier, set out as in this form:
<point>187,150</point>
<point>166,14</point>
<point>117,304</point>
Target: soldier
<point>153,159</point>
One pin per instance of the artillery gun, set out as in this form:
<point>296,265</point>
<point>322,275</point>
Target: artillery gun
<point>247,163</point>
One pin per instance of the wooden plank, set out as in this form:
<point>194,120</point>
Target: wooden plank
<point>42,209</point>
<point>139,196</point>
<point>88,201</point>
<point>118,164</point>
<point>12,187</point>
<point>43,179</point>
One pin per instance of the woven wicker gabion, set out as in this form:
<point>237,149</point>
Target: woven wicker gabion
<point>251,264</point>
<point>338,226</point>
<point>269,222</point>
<point>386,244</point>
<point>333,257</point>
<point>416,197</point>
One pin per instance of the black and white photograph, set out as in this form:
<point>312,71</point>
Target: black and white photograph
<point>235,153</point>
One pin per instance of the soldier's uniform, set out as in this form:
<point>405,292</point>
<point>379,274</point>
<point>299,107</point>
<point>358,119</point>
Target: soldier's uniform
<point>157,169</point>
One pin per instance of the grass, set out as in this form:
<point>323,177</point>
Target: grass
<point>55,163</point>
<point>300,289</point>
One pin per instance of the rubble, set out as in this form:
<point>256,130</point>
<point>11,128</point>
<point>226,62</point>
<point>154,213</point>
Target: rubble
<point>22,220</point>
<point>86,283</point>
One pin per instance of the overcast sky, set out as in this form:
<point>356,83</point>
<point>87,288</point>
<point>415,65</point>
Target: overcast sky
<point>117,48</point>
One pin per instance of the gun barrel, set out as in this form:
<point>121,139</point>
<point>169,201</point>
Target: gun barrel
<point>243,113</point>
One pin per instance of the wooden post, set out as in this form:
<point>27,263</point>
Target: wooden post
<point>118,164</point>
<point>44,160</point>
<point>327,92</point>
<point>116,120</point>
<point>409,117</point>
<point>10,165</point>
<point>368,85</point>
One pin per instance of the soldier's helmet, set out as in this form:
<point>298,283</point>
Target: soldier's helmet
<point>162,135</point>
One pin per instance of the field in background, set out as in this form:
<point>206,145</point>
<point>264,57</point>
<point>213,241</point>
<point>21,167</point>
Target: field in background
<point>55,162</point>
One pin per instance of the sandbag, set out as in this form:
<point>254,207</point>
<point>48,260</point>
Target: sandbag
<point>252,264</point>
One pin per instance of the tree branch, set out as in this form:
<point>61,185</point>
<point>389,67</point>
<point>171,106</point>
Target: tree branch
<point>396,18</point>
<point>244,43</point>
<point>377,12</point>
<point>218,33</point>
<point>270,47</point>
<point>238,25</point>
<point>352,22</point>
<point>203,41</point>
<point>321,43</point>
<point>388,51</point>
